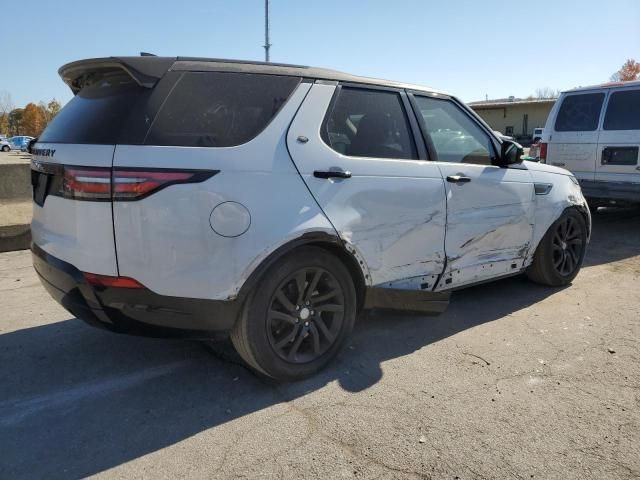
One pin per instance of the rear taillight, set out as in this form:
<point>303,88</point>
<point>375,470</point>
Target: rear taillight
<point>135,184</point>
<point>106,281</point>
<point>87,183</point>
<point>543,153</point>
<point>123,184</point>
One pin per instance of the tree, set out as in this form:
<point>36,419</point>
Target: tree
<point>6,105</point>
<point>546,92</point>
<point>15,121</point>
<point>34,119</point>
<point>53,107</point>
<point>630,70</point>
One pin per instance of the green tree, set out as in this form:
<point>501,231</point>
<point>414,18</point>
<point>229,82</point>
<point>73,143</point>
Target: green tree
<point>15,121</point>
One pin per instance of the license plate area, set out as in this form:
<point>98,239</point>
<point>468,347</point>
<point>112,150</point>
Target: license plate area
<point>40,184</point>
<point>43,175</point>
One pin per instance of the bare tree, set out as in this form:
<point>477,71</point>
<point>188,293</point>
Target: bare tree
<point>546,92</point>
<point>6,105</point>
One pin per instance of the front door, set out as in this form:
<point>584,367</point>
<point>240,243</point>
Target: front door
<point>490,210</point>
<point>356,150</point>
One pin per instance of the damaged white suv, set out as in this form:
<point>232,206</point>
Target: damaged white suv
<point>198,197</point>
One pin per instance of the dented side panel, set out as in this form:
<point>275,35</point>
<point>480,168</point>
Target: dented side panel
<point>392,213</point>
<point>490,222</point>
<point>563,194</point>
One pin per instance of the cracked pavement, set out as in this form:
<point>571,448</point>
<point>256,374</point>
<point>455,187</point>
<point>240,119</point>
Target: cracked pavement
<point>513,381</point>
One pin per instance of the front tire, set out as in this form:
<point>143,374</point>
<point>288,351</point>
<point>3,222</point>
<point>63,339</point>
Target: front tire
<point>5,148</point>
<point>298,317</point>
<point>560,253</point>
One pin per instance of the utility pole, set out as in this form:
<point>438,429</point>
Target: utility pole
<point>267,45</point>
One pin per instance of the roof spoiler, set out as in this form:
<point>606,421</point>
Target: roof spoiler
<point>146,70</point>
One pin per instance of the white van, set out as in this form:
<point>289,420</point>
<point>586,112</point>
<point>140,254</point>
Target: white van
<point>595,133</point>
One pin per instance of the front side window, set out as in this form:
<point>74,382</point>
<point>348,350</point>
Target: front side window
<point>369,123</point>
<point>219,109</point>
<point>579,113</point>
<point>455,136</point>
<point>623,112</point>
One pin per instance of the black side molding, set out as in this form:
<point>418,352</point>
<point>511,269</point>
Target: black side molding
<point>408,300</point>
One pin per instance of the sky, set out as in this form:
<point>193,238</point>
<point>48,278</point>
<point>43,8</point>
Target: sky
<point>471,49</point>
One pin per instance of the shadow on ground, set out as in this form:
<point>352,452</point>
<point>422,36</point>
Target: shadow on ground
<point>616,235</point>
<point>76,401</point>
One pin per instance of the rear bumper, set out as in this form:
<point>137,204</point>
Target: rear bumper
<point>619,191</point>
<point>132,311</point>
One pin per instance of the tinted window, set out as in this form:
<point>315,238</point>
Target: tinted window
<point>219,109</point>
<point>97,113</point>
<point>579,113</point>
<point>456,137</point>
<point>623,112</point>
<point>369,123</point>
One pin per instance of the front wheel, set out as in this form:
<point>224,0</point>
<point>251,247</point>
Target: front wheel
<point>298,317</point>
<point>5,148</point>
<point>560,253</point>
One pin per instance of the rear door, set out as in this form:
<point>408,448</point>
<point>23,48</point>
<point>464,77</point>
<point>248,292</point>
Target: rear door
<point>71,174</point>
<point>573,142</point>
<point>490,210</point>
<point>619,140</point>
<point>356,151</point>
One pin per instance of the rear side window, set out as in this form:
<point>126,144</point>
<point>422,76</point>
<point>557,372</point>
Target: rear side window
<point>96,114</point>
<point>219,109</point>
<point>623,112</point>
<point>579,113</point>
<point>369,123</point>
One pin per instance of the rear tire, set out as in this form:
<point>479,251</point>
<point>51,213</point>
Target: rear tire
<point>5,148</point>
<point>560,253</point>
<point>298,317</point>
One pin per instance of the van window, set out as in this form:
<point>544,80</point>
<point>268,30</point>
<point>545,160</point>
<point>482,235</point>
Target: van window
<point>623,112</point>
<point>579,113</point>
<point>219,109</point>
<point>97,113</point>
<point>455,136</point>
<point>369,123</point>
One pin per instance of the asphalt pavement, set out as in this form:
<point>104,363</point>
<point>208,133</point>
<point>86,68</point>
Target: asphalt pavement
<point>513,381</point>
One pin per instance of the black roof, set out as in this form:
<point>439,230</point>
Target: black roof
<point>148,69</point>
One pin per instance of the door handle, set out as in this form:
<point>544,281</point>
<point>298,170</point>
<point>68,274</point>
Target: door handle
<point>332,174</point>
<point>458,179</point>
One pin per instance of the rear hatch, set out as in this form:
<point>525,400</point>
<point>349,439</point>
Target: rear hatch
<point>71,168</point>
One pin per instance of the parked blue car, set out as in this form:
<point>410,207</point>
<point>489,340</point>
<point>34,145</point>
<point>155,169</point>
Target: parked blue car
<point>20,142</point>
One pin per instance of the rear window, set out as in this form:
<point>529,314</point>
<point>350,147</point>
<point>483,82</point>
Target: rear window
<point>579,113</point>
<point>219,109</point>
<point>623,112</point>
<point>96,114</point>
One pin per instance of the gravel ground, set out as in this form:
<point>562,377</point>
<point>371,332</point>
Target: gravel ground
<point>514,380</point>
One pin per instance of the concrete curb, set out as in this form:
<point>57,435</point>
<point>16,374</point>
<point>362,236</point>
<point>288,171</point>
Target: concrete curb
<point>15,237</point>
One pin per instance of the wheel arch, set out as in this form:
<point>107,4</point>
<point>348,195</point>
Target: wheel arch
<point>331,243</point>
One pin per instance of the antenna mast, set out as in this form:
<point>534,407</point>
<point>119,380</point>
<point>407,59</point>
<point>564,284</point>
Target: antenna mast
<point>266,45</point>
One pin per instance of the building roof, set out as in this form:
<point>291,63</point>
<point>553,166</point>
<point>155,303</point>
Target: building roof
<point>507,102</point>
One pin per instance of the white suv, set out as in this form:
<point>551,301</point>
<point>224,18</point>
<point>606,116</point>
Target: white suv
<point>195,197</point>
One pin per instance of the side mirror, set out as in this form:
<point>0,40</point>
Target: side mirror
<point>510,153</point>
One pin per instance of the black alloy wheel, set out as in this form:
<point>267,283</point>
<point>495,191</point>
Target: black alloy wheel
<point>305,315</point>
<point>567,246</point>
